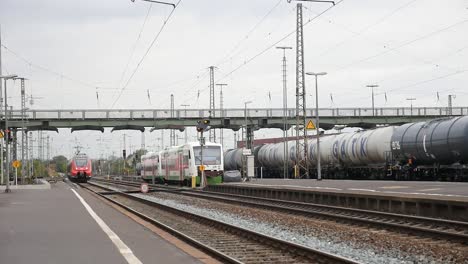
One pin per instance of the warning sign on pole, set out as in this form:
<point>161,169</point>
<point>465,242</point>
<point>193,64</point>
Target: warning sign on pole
<point>310,125</point>
<point>16,164</point>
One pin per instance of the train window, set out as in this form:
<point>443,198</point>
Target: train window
<point>211,155</point>
<point>81,162</point>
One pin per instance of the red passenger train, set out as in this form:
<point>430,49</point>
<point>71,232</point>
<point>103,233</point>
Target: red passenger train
<point>79,168</point>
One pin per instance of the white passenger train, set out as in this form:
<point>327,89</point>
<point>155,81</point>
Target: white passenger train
<point>181,163</point>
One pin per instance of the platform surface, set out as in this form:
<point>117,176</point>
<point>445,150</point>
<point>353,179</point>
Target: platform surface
<point>53,226</point>
<point>452,191</point>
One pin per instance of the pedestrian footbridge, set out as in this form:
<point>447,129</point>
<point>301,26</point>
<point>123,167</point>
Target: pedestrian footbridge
<point>139,119</point>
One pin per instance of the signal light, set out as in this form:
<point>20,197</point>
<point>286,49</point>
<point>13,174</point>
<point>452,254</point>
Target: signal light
<point>9,136</point>
<point>203,125</point>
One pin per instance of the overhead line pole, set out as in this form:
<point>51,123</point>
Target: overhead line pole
<point>302,164</point>
<point>221,107</point>
<point>212,132</point>
<point>285,114</point>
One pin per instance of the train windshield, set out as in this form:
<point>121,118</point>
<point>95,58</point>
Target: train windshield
<point>211,155</point>
<point>81,162</point>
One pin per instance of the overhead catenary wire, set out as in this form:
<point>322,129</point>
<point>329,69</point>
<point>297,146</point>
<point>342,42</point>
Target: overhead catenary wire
<point>46,69</point>
<point>366,28</point>
<point>271,46</point>
<point>404,44</point>
<point>135,44</point>
<point>249,33</point>
<point>146,53</point>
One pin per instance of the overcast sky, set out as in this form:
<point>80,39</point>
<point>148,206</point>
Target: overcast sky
<point>72,51</point>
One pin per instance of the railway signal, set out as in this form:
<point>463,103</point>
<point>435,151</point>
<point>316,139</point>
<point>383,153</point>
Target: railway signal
<point>202,126</point>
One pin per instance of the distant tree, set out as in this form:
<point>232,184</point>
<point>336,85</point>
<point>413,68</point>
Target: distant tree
<point>60,163</point>
<point>40,169</point>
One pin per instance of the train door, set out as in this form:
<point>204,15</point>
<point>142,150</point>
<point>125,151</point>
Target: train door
<point>167,164</point>
<point>180,164</point>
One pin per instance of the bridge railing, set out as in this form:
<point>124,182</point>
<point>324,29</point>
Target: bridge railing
<point>233,113</point>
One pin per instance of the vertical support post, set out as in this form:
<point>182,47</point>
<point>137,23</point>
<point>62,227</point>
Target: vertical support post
<point>162,139</point>
<point>1,73</point>
<point>1,106</point>
<point>285,115</point>
<point>212,132</point>
<point>143,143</point>
<point>185,117</point>
<point>202,167</point>
<point>302,164</point>
<point>7,159</point>
<point>172,131</point>
<point>450,104</point>
<point>221,107</point>
<point>372,86</point>
<point>14,149</point>
<point>23,131</point>
<point>317,127</point>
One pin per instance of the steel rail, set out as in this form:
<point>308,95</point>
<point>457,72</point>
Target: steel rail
<point>313,255</point>
<point>432,227</point>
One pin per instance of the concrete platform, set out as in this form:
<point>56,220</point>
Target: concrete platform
<point>450,191</point>
<point>433,199</point>
<point>53,226</point>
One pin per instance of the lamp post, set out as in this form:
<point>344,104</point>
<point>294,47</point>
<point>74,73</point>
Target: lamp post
<point>317,122</point>
<point>7,160</point>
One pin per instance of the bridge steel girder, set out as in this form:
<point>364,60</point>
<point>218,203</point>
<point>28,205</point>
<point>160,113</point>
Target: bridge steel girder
<point>81,128</point>
<point>234,123</point>
<point>128,127</point>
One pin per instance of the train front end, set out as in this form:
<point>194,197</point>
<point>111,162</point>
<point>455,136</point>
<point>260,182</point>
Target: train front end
<point>213,162</point>
<point>80,169</point>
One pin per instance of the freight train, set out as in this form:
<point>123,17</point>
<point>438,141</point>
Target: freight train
<point>432,150</point>
<point>179,164</point>
<point>80,168</point>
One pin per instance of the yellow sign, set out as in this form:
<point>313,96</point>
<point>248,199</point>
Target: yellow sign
<point>1,134</point>
<point>310,125</point>
<point>202,167</point>
<point>16,164</point>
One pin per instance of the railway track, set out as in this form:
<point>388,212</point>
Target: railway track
<point>453,231</point>
<point>229,243</point>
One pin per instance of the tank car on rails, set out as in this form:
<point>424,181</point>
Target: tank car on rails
<point>179,164</point>
<point>80,168</point>
<point>432,150</point>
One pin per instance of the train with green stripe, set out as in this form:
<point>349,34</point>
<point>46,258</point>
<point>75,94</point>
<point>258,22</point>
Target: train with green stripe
<point>178,164</point>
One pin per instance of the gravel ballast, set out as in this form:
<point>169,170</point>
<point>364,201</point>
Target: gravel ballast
<point>355,242</point>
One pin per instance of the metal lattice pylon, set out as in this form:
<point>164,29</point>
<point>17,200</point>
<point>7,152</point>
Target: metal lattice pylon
<point>302,165</point>
<point>212,132</point>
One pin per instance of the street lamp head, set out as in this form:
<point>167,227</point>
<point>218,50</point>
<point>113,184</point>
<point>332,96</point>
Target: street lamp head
<point>11,76</point>
<point>316,73</point>
<point>284,47</point>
